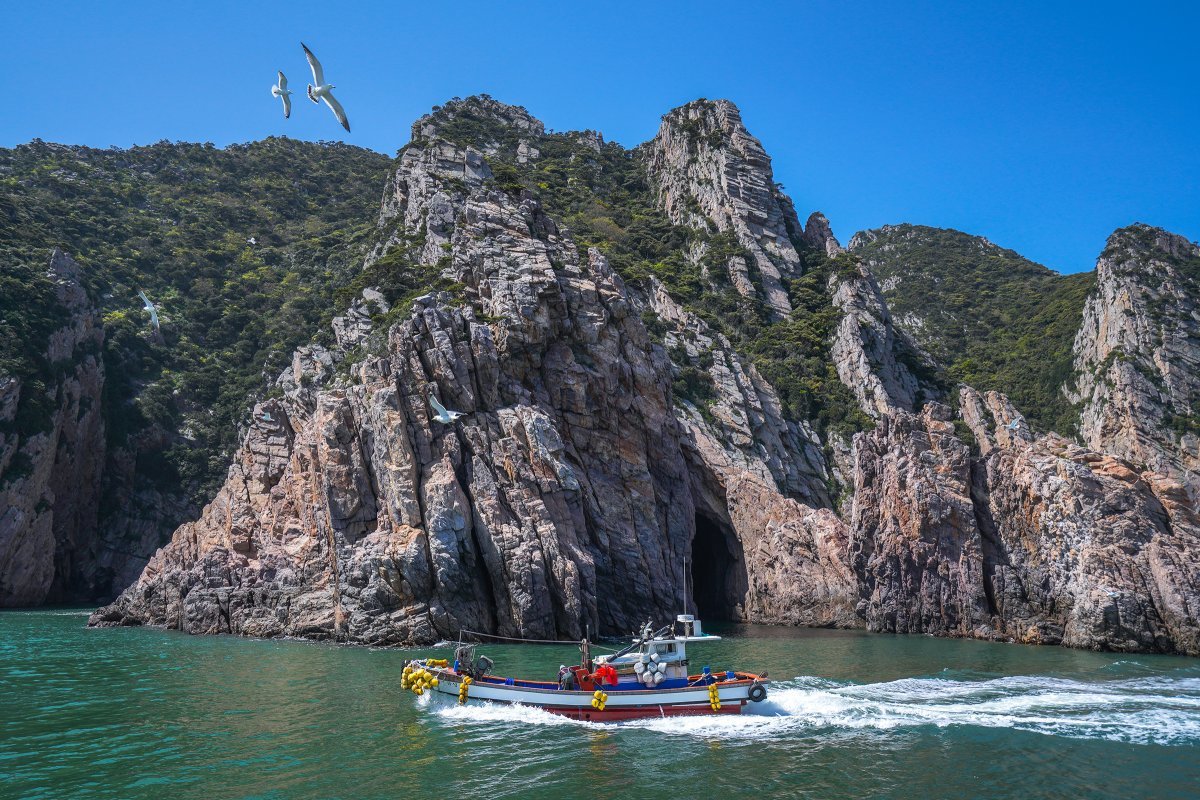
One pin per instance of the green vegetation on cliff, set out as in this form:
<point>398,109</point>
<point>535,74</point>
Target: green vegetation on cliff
<point>175,220</point>
<point>994,319</point>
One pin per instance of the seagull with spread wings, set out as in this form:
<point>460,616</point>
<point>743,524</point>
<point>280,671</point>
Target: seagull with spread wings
<point>146,304</point>
<point>444,415</point>
<point>323,90</point>
<point>280,90</point>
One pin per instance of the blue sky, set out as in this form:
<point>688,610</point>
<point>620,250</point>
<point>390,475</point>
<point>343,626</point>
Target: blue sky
<point>1043,126</point>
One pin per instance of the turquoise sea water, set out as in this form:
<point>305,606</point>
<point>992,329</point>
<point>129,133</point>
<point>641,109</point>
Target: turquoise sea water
<point>143,713</point>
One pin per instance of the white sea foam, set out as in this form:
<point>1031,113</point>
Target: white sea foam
<point>1157,710</point>
<point>450,711</point>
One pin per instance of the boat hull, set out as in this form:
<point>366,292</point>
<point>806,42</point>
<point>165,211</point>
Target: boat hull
<point>623,702</point>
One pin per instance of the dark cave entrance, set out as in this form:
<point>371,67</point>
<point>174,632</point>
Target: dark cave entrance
<point>718,571</point>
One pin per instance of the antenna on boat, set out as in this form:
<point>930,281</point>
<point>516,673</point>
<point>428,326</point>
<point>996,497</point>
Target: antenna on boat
<point>687,586</point>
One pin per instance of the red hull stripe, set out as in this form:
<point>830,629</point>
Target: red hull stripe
<point>612,714</point>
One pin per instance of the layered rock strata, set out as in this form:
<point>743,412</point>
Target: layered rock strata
<point>866,346</point>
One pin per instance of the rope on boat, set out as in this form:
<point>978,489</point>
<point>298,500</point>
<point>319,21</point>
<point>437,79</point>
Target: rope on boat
<point>518,639</point>
<point>575,642</point>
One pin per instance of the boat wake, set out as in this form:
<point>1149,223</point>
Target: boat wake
<point>1148,710</point>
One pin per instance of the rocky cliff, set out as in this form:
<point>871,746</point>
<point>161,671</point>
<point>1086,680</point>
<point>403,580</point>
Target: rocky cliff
<point>571,497</point>
<point>1137,354</point>
<point>867,349</point>
<point>560,502</point>
<point>1037,540</point>
<point>51,479</point>
<point>624,452</point>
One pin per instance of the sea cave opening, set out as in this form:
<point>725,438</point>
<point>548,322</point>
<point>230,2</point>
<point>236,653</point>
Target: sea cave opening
<point>718,570</point>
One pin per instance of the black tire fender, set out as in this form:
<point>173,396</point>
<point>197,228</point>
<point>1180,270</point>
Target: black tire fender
<point>758,692</point>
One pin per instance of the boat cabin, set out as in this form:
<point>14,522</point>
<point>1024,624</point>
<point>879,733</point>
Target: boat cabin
<point>640,665</point>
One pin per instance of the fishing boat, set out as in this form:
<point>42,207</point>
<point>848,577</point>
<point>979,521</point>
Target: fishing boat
<point>648,678</point>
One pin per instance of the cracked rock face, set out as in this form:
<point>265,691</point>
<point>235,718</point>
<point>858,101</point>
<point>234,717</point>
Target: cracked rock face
<point>1137,354</point>
<point>914,540</point>
<point>743,428</point>
<point>796,558</point>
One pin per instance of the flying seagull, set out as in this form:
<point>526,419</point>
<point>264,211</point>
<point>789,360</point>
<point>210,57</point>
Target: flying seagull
<point>149,307</point>
<point>323,90</point>
<point>280,90</point>
<point>444,416</point>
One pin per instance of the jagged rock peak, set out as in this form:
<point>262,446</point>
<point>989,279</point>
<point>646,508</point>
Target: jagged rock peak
<point>711,174</point>
<point>819,235</point>
<point>1152,241</point>
<point>1137,353</point>
<point>480,112</point>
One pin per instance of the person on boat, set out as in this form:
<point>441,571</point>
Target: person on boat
<point>566,678</point>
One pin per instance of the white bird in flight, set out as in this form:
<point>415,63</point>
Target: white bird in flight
<point>149,307</point>
<point>323,90</point>
<point>444,415</point>
<point>280,90</point>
